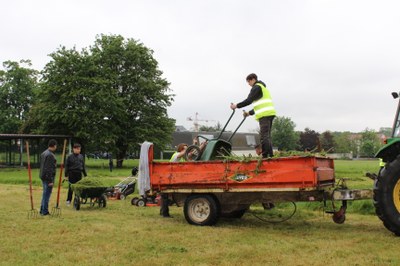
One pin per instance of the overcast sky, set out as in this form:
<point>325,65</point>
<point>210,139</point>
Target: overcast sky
<point>330,65</point>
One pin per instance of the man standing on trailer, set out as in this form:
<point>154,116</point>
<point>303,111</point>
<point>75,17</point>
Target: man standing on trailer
<point>263,110</point>
<point>74,168</point>
<point>48,165</point>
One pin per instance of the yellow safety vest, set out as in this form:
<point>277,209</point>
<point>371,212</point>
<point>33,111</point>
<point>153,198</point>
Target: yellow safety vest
<point>180,159</point>
<point>263,106</point>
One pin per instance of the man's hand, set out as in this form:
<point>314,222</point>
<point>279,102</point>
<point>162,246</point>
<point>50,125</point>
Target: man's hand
<point>233,106</point>
<point>245,114</point>
<point>50,184</point>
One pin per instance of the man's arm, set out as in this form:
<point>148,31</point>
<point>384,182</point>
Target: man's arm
<point>255,94</point>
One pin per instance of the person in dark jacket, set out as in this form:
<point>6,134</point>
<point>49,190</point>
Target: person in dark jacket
<point>48,165</point>
<point>74,168</point>
<point>263,111</point>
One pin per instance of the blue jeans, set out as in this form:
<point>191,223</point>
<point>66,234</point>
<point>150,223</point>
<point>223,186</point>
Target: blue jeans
<point>44,207</point>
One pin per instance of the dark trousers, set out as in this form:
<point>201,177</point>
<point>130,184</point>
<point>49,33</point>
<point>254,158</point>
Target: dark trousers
<point>265,135</point>
<point>44,207</point>
<point>72,179</point>
<point>164,211</point>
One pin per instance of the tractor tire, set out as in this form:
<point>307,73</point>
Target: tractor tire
<point>201,210</point>
<point>387,196</point>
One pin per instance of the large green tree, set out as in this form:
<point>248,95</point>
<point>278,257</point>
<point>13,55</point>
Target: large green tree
<point>369,144</point>
<point>283,134</point>
<point>345,142</point>
<point>17,85</point>
<point>110,95</point>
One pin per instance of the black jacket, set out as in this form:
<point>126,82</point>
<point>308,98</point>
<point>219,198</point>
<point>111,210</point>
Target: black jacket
<point>75,163</point>
<point>254,95</point>
<point>48,165</point>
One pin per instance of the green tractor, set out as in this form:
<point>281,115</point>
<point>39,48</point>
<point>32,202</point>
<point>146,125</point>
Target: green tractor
<point>387,183</point>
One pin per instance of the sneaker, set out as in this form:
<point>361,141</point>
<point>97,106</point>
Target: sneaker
<point>68,203</point>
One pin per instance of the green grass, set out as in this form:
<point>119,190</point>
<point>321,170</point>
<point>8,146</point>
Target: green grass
<point>122,234</point>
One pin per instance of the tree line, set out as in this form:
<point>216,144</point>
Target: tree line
<point>110,96</point>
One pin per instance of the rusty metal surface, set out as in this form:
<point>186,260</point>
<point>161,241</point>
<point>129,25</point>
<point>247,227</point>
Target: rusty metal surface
<point>278,174</point>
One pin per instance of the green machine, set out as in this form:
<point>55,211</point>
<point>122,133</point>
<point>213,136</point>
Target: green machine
<point>387,182</point>
<point>215,149</point>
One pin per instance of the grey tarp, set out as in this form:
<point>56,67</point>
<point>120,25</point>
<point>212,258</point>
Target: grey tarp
<point>144,175</point>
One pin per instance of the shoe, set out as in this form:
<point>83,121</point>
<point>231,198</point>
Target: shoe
<point>68,202</point>
<point>167,216</point>
<point>44,214</point>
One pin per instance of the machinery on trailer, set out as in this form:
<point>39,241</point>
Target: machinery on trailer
<point>387,182</point>
<point>224,187</point>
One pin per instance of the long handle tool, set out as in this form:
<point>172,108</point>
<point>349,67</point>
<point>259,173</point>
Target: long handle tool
<point>32,213</point>
<point>56,212</point>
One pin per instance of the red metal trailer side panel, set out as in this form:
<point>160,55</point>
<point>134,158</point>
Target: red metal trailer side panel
<point>286,173</point>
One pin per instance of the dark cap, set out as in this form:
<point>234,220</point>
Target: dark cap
<point>77,145</point>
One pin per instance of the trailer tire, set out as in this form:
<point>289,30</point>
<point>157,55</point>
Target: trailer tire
<point>201,210</point>
<point>387,196</point>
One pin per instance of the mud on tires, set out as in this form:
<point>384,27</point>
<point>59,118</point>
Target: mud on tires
<point>387,196</point>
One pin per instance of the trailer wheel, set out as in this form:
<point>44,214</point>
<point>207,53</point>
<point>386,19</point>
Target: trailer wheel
<point>201,210</point>
<point>387,196</point>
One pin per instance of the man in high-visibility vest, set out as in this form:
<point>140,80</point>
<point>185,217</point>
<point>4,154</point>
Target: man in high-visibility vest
<point>263,110</point>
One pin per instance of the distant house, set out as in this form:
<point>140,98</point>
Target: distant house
<point>242,143</point>
<point>180,128</point>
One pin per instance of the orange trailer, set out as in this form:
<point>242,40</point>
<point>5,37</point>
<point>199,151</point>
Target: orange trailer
<point>211,189</point>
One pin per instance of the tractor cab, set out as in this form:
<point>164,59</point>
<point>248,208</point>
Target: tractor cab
<point>396,124</point>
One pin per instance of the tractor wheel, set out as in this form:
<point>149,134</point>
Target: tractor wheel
<point>122,197</point>
<point>387,196</point>
<point>201,210</point>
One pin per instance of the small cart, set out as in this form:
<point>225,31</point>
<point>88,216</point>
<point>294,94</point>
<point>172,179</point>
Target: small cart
<point>96,195</point>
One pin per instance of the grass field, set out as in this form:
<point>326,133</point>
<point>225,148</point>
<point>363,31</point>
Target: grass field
<point>122,234</point>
